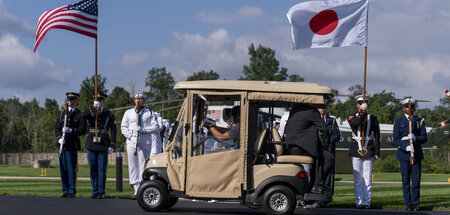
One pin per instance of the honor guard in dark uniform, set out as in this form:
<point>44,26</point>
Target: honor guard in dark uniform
<point>99,143</point>
<point>364,149</point>
<point>69,126</point>
<point>409,135</point>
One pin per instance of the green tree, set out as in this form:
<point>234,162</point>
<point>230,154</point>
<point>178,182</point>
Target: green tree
<point>263,65</point>
<point>295,78</point>
<point>119,97</point>
<point>87,91</point>
<point>161,85</point>
<point>202,75</point>
<point>383,105</point>
<point>12,129</point>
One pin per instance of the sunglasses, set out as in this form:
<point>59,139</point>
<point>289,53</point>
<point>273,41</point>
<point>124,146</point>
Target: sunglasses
<point>72,98</point>
<point>360,102</point>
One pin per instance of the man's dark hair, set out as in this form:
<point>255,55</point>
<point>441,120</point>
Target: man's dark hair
<point>236,111</point>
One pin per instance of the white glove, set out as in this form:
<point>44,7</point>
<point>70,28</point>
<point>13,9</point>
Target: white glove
<point>96,104</point>
<point>405,138</point>
<point>110,150</point>
<point>376,157</point>
<point>139,129</point>
<point>408,148</point>
<point>61,141</point>
<point>364,106</point>
<point>412,137</point>
<point>67,130</point>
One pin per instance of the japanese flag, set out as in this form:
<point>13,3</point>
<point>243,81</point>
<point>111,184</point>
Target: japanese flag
<point>329,23</point>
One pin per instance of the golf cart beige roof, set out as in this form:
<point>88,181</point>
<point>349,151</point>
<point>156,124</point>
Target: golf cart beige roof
<point>261,86</point>
<point>263,90</point>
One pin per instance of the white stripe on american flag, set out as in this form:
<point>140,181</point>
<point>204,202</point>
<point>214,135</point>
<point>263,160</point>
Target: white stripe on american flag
<point>61,18</point>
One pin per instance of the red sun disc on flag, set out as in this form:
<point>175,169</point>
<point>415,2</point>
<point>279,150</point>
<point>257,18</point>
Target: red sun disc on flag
<point>324,22</point>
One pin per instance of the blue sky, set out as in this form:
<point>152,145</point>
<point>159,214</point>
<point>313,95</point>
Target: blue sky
<point>408,51</point>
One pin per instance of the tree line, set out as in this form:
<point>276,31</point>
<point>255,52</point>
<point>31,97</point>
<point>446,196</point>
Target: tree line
<point>28,127</point>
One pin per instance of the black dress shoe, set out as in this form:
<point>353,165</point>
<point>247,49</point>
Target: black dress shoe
<point>317,190</point>
<point>366,206</point>
<point>414,207</point>
<point>64,195</point>
<point>93,196</point>
<point>408,208</point>
<point>101,196</point>
<point>134,197</point>
<point>70,195</point>
<point>360,206</point>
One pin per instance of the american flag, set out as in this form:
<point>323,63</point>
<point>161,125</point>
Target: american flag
<point>80,17</point>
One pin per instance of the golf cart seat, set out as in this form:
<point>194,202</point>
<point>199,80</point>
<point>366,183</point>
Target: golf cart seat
<point>288,158</point>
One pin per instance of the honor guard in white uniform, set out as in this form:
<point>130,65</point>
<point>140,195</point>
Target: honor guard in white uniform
<point>364,148</point>
<point>141,129</point>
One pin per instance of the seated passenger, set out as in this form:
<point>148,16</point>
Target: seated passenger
<point>230,133</point>
<point>302,130</point>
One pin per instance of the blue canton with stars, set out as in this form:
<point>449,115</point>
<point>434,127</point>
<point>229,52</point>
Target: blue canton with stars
<point>88,6</point>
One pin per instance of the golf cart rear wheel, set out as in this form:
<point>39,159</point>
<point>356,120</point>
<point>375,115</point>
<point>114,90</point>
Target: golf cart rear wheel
<point>279,200</point>
<point>153,196</point>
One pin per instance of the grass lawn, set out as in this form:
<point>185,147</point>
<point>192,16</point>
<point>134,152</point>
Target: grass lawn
<point>384,196</point>
<point>393,176</point>
<point>390,197</point>
<point>28,170</point>
<point>30,187</point>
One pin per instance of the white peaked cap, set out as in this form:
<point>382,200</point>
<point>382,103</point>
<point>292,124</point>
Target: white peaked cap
<point>408,100</point>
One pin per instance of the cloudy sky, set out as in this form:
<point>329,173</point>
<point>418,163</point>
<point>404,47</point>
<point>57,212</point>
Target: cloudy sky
<point>408,51</point>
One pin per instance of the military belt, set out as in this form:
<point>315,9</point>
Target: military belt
<point>98,131</point>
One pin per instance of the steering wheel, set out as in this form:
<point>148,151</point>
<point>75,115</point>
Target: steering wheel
<point>202,143</point>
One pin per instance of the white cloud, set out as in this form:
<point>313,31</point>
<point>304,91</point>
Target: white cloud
<point>23,69</point>
<point>218,51</point>
<point>135,58</point>
<point>9,23</point>
<point>221,17</point>
<point>218,17</point>
<point>250,11</point>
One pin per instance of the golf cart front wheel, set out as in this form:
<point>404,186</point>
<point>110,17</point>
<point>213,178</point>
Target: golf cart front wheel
<point>153,196</point>
<point>279,200</point>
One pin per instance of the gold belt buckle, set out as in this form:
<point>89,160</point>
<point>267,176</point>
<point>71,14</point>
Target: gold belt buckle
<point>96,139</point>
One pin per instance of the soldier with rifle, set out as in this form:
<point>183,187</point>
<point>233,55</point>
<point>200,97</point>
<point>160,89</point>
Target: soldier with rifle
<point>141,129</point>
<point>364,149</point>
<point>69,126</point>
<point>409,135</point>
<point>100,142</point>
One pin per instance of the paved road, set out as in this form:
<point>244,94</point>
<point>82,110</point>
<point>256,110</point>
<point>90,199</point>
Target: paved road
<point>33,205</point>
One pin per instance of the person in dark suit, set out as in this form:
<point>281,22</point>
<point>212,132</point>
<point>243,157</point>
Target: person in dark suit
<point>99,143</point>
<point>303,130</point>
<point>68,159</point>
<point>335,136</point>
<point>402,138</point>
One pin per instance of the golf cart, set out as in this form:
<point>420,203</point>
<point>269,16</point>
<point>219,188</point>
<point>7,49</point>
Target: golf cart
<point>250,169</point>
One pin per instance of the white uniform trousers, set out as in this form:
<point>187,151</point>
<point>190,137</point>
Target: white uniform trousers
<point>362,179</point>
<point>136,164</point>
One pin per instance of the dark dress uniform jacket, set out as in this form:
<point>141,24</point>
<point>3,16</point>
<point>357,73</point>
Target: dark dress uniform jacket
<point>401,130</point>
<point>302,129</point>
<point>105,124</point>
<point>373,146</point>
<point>76,122</point>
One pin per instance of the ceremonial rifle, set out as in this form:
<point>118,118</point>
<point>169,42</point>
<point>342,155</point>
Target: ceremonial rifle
<point>410,142</point>
<point>64,132</point>
<point>137,125</point>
